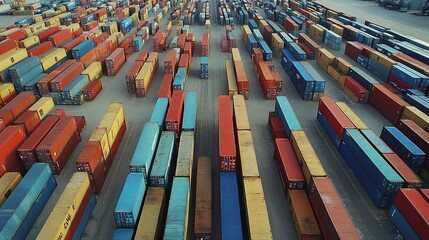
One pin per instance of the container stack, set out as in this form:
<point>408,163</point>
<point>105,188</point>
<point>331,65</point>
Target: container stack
<point>240,73</point>
<point>204,68</point>
<point>115,61</point>
<point>173,118</point>
<point>146,74</point>
<point>205,45</point>
<point>159,40</point>
<point>170,62</point>
<point>24,73</point>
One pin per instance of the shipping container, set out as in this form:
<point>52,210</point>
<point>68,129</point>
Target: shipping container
<point>44,86</point>
<point>91,90</point>
<point>159,112</point>
<point>130,201</point>
<point>337,119</point>
<point>387,103</point>
<point>376,142</point>
<point>411,179</point>
<point>276,126</point>
<point>19,104</point>
<point>8,182</point>
<point>10,140</point>
<point>75,197</point>
<point>357,122</point>
<point>152,216</point>
<point>231,79</point>
<point>60,82</point>
<point>203,199</point>
<point>401,224</point>
<point>163,164</point>
<point>26,202</point>
<point>231,225</point>
<point>247,155</point>
<point>415,133</point>
<point>29,120</point>
<point>241,119</point>
<point>94,71</point>
<point>287,115</point>
<point>288,165</point>
<point>190,111</point>
<point>185,156</point>
<point>9,59</point>
<point>53,58</point>
<point>43,107</point>
<point>305,222</point>
<point>145,150</point>
<point>420,118</point>
<point>91,160</point>
<point>165,89</point>
<point>173,119</point>
<point>176,225</point>
<point>227,149</point>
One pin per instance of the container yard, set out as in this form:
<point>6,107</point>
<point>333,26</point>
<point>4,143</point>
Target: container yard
<point>214,119</point>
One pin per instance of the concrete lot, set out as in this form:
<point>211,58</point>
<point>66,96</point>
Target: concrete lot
<point>371,222</point>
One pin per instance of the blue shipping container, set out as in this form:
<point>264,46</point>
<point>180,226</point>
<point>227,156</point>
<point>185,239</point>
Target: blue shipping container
<point>123,234</point>
<point>82,49</point>
<point>145,150</point>
<point>177,215</point>
<point>32,85</point>
<point>287,115</point>
<point>75,87</point>
<point>297,52</point>
<point>230,207</point>
<point>287,60</point>
<point>204,68</point>
<point>180,79</point>
<point>378,70</point>
<point>401,224</point>
<point>406,75</point>
<point>362,78</point>
<point>404,147</point>
<point>335,139</point>
<point>419,102</point>
<point>159,112</point>
<point>376,142</point>
<point>161,168</point>
<point>22,67</point>
<point>137,44</point>
<point>190,111</point>
<point>128,207</point>
<point>266,51</point>
<point>27,77</point>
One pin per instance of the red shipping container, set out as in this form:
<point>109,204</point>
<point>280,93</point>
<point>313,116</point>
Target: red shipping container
<point>60,112</point>
<point>30,120</point>
<point>20,103</point>
<point>242,82</point>
<point>78,32</point>
<point>306,49</point>
<point>90,25</point>
<point>26,150</point>
<point>59,143</point>
<point>361,94</point>
<point>353,50</point>
<point>205,45</point>
<point>88,58</point>
<point>181,42</point>
<point>115,61</point>
<point>74,224</point>
<point>425,194</point>
<point>290,25</point>
<point>288,165</point>
<point>173,119</point>
<point>91,160</point>
<point>165,89</point>
<point>66,77</point>
<point>227,149</point>
<point>17,35</point>
<point>416,134</point>
<point>91,90</point>
<point>184,61</point>
<point>268,33</point>
<point>68,46</point>
<point>410,178</point>
<point>224,43</point>
<point>170,62</point>
<point>8,45</point>
<point>10,139</point>
<point>391,88</point>
<point>44,35</point>
<point>335,116</point>
<point>80,123</point>
<point>43,85</point>
<point>188,50</point>
<point>115,146</point>
<point>410,62</point>
<point>331,215</point>
<point>143,55</point>
<point>415,210</point>
<point>39,49</point>
<point>397,81</point>
<point>257,55</point>
<point>276,126</point>
<point>130,78</point>
<point>387,103</point>
<point>8,98</point>
<point>278,79</point>
<point>60,37</point>
<point>101,38</point>
<point>6,118</point>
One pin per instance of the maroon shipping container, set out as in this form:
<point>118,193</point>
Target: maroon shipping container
<point>353,50</point>
<point>39,49</point>
<point>331,215</point>
<point>184,61</point>
<point>61,36</point>
<point>115,146</point>
<point>227,149</point>
<point>60,82</point>
<point>80,122</point>
<point>20,103</point>
<point>60,112</point>
<point>416,134</point>
<point>415,210</point>
<point>79,214</point>
<point>43,36</point>
<point>26,150</point>
<point>387,103</point>
<point>91,90</point>
<point>78,32</point>
<point>359,92</point>
<point>276,126</point>
<point>410,178</point>
<point>130,78</point>
<point>391,88</point>
<point>30,120</point>
<point>188,50</point>
<point>205,45</point>
<point>336,118</point>
<point>8,45</point>
<point>173,118</point>
<point>268,33</point>
<point>115,61</point>
<point>143,55</point>
<point>91,160</point>
<point>165,89</point>
<point>6,118</point>
<point>170,62</point>
<point>290,25</point>
<point>44,86</point>
<point>59,143</point>
<point>288,165</point>
<point>10,139</point>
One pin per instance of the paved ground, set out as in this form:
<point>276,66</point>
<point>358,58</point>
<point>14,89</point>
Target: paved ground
<point>371,222</point>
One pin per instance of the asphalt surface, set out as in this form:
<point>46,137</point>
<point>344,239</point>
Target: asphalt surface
<point>371,222</point>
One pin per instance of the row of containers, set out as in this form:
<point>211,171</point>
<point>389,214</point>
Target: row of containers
<point>65,62</point>
<point>317,209</point>
<point>155,199</point>
<point>387,166</point>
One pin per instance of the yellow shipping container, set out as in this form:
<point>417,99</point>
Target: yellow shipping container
<point>10,58</point>
<point>29,41</point>
<point>343,65</point>
<point>8,183</point>
<point>62,9</point>
<point>94,71</point>
<point>126,11</point>
<point>52,22</point>
<point>100,135</point>
<point>102,18</point>
<point>230,76</point>
<point>208,24</point>
<point>258,221</point>
<point>143,78</point>
<point>306,156</point>
<point>36,27</point>
<point>158,17</point>
<point>135,16</point>
<point>325,58</point>
<point>383,59</point>
<point>249,163</point>
<point>240,113</point>
<point>151,216</point>
<point>419,117</point>
<point>337,29</point>
<point>73,27</point>
<point>235,53</point>
<point>43,106</point>
<point>53,57</point>
<point>37,18</point>
<point>112,121</point>
<point>6,89</point>
<point>352,116</point>
<point>27,31</point>
<point>59,221</point>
